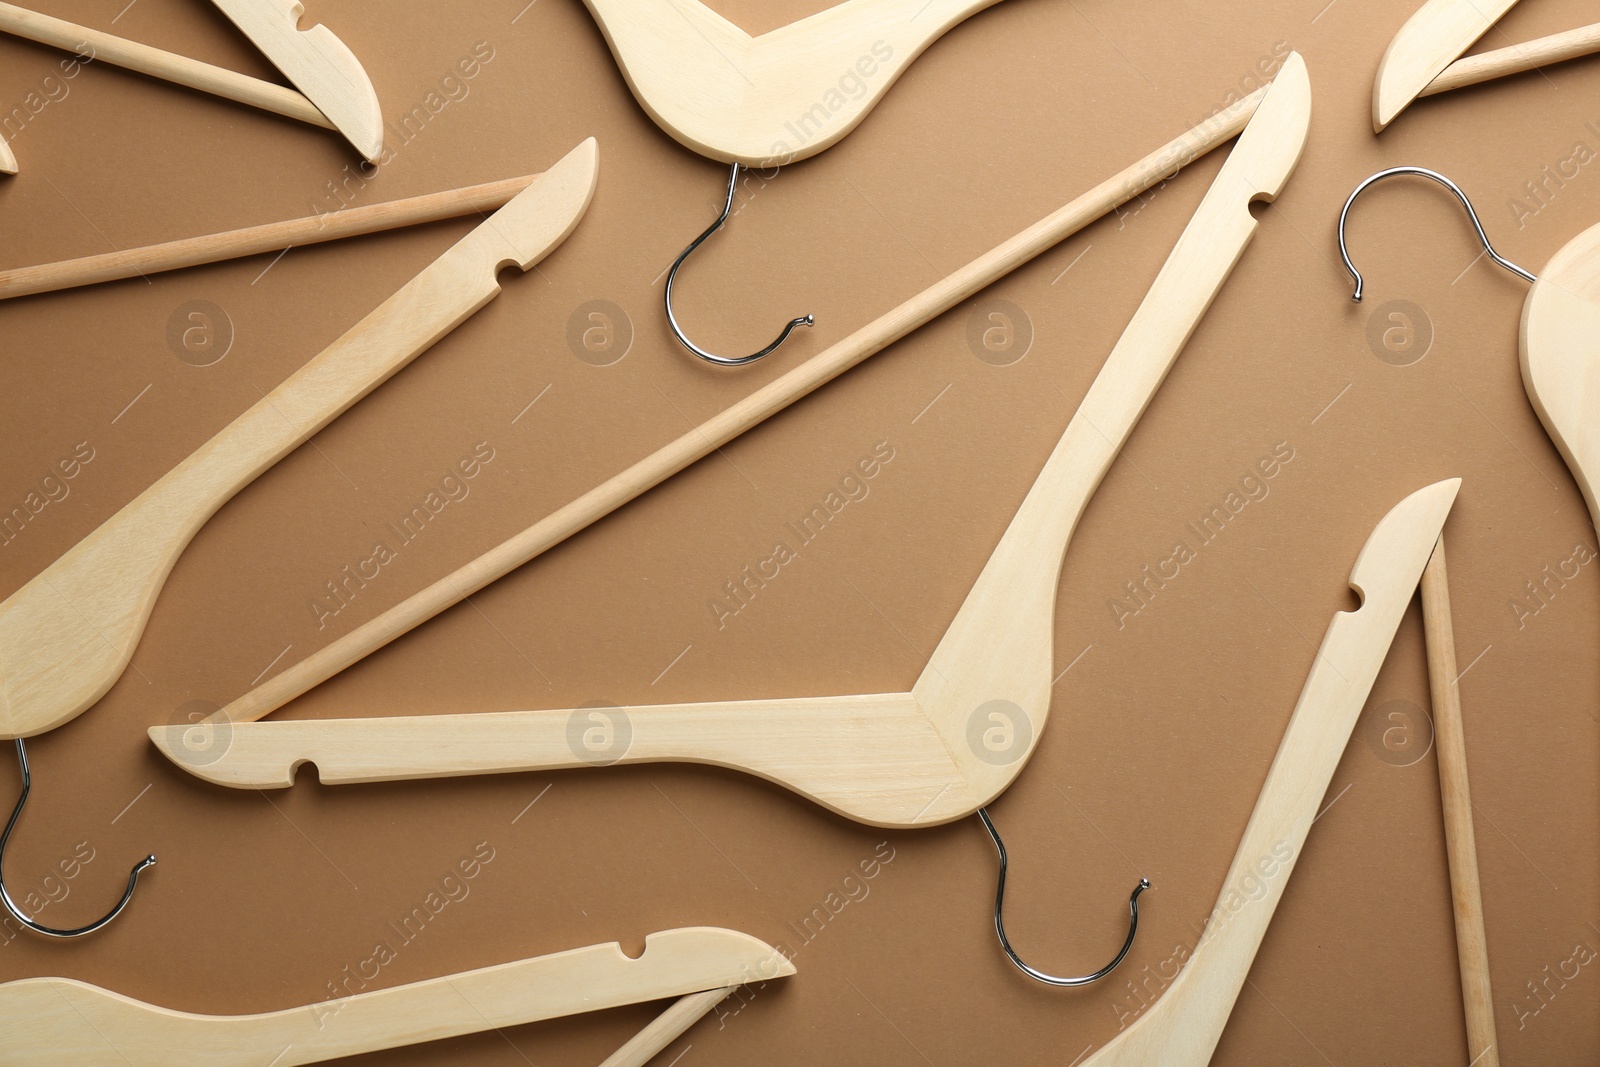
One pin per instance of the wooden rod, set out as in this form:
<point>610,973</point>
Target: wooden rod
<point>735,420</point>
<point>666,1028</point>
<point>253,240</point>
<point>1557,48</point>
<point>168,66</point>
<point>1472,948</point>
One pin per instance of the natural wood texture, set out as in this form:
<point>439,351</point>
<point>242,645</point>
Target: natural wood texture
<point>894,759</point>
<point>1466,895</point>
<point>58,1022</point>
<point>168,66</point>
<point>1182,1028</point>
<point>318,64</point>
<point>1486,66</point>
<point>1561,357</point>
<point>774,99</point>
<point>252,240</point>
<point>66,636</point>
<point>1429,41</point>
<point>666,1028</point>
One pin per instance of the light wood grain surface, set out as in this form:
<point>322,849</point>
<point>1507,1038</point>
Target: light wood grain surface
<point>66,636</point>
<point>57,1021</point>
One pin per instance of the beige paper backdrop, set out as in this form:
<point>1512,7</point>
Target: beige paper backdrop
<point>1161,732</point>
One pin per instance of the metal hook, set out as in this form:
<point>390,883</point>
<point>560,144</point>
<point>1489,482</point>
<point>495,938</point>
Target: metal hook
<point>1421,172</point>
<point>1000,926</point>
<point>5,895</point>
<point>672,319</point>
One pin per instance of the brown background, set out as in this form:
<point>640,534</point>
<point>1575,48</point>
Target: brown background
<point>1160,735</point>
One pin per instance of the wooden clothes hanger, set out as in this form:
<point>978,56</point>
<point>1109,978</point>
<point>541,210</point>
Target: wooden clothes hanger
<point>1182,1028</point>
<point>335,92</point>
<point>768,100</point>
<point>1424,57</point>
<point>67,635</point>
<point>915,758</point>
<point>59,1022</point>
<point>693,445</point>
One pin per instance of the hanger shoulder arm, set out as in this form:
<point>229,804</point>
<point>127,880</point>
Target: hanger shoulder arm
<point>774,99</point>
<point>125,1032</point>
<point>874,758</point>
<point>1183,1027</point>
<point>1432,39</point>
<point>66,636</point>
<point>1561,358</point>
<point>318,63</point>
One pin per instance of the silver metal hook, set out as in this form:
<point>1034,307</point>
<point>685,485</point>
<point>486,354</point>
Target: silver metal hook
<point>1005,943</point>
<point>5,895</point>
<point>1421,172</point>
<point>672,273</point>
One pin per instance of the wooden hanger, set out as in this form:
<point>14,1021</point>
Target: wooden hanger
<point>1182,1028</point>
<point>774,99</point>
<point>660,465</point>
<point>8,160</point>
<point>337,93</point>
<point>1424,57</point>
<point>59,1022</point>
<point>66,636</point>
<point>253,240</point>
<point>892,759</point>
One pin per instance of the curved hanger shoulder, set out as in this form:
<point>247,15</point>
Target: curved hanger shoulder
<point>774,99</point>
<point>1182,1028</point>
<point>67,635</point>
<point>1561,358</point>
<point>319,64</point>
<point>1429,42</point>
<point>59,1022</point>
<point>1004,631</point>
<point>8,161</point>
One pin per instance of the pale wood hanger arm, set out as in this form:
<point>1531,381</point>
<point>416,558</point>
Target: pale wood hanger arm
<point>67,634</point>
<point>1182,1028</point>
<point>58,1022</point>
